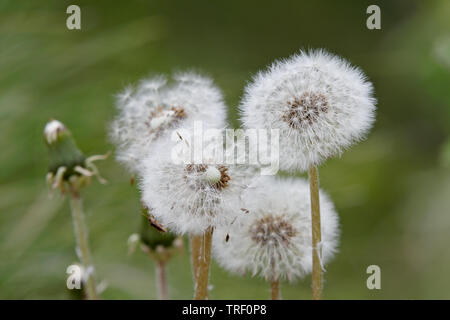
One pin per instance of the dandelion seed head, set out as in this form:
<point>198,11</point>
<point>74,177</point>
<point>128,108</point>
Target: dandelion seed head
<point>272,230</point>
<point>274,238</point>
<point>155,107</point>
<point>319,102</point>
<point>190,197</point>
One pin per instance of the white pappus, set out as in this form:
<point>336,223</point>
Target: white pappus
<point>319,102</point>
<point>155,107</point>
<point>190,196</point>
<point>273,238</point>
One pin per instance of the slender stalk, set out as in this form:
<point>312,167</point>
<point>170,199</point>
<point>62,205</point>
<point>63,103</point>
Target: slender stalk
<point>81,236</point>
<point>275,288</point>
<point>195,244</point>
<point>316,233</point>
<point>161,279</point>
<point>204,261</point>
<point>274,281</point>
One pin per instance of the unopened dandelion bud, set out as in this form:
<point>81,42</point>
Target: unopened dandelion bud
<point>63,151</point>
<point>160,245</point>
<point>67,162</point>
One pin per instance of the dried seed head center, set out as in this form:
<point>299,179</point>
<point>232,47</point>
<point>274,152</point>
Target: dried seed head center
<point>222,183</point>
<point>272,231</point>
<point>165,117</point>
<point>305,109</point>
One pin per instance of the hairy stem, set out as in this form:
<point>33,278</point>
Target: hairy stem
<point>203,260</point>
<point>316,233</point>
<point>161,279</point>
<point>81,236</point>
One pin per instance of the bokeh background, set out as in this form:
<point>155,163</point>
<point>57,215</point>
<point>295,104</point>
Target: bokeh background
<point>391,191</point>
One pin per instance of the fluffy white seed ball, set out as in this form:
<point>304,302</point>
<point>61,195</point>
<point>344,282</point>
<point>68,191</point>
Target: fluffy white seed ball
<point>190,197</point>
<point>273,238</point>
<point>319,102</point>
<point>155,108</point>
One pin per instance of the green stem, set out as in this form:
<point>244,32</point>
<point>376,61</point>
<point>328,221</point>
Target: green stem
<point>316,233</point>
<point>81,236</point>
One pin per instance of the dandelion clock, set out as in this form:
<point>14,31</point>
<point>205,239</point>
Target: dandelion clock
<point>319,102</point>
<point>157,107</point>
<point>273,239</point>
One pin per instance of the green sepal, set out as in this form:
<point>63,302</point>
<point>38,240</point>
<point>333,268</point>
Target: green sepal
<point>64,153</point>
<point>152,237</point>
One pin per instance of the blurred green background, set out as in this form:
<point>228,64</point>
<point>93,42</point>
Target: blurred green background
<point>391,191</point>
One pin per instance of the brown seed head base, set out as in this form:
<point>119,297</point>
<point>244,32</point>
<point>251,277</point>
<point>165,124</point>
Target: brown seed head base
<point>178,114</point>
<point>272,230</point>
<point>305,109</point>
